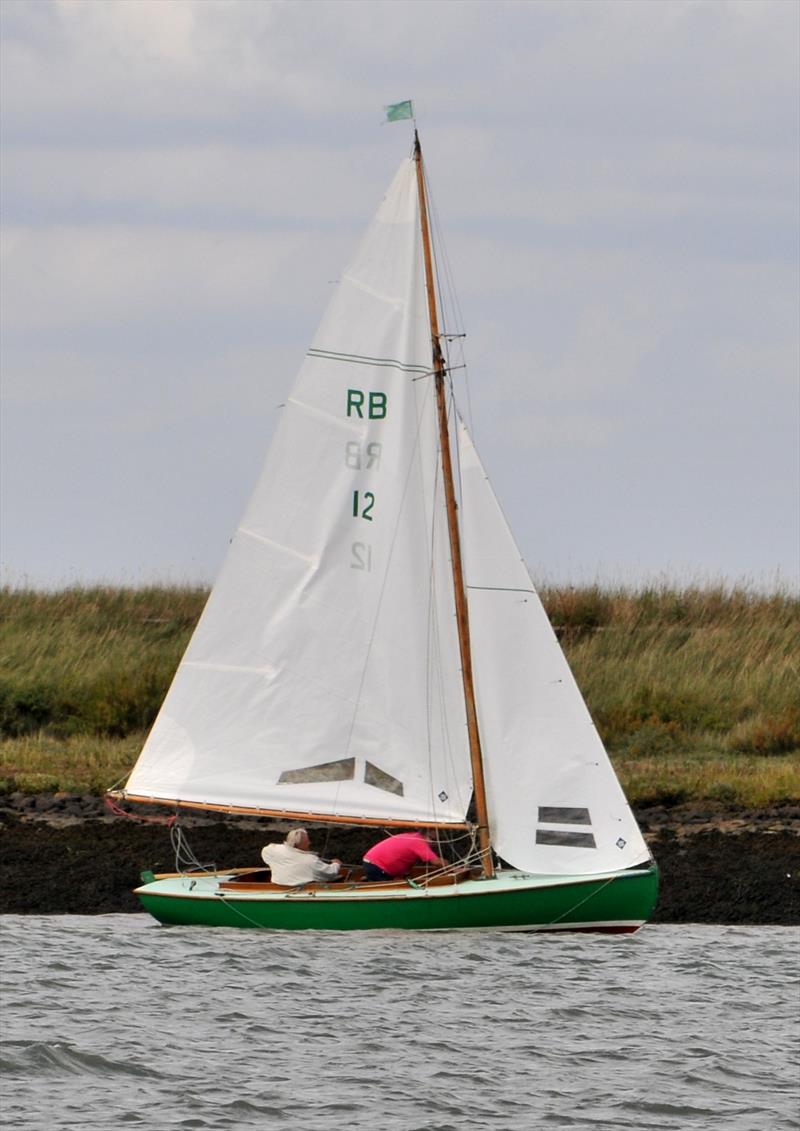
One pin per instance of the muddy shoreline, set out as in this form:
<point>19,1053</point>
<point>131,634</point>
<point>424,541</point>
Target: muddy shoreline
<point>69,854</point>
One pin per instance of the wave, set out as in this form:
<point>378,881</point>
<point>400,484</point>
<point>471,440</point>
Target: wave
<point>59,1058</point>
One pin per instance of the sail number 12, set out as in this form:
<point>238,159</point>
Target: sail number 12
<point>363,504</point>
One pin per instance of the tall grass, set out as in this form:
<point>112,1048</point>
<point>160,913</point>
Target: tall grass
<point>90,661</point>
<point>84,763</point>
<point>694,690</point>
<point>663,669</point>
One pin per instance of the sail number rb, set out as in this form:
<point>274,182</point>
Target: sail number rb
<point>375,404</point>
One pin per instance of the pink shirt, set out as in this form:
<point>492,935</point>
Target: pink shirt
<point>397,854</point>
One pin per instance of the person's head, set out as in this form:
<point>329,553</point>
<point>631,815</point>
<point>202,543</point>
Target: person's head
<point>298,838</point>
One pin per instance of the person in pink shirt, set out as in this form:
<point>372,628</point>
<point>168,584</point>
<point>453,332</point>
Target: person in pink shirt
<point>396,856</point>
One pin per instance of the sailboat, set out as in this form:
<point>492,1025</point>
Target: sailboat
<point>374,653</point>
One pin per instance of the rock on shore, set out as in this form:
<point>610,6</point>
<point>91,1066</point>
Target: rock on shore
<point>70,854</point>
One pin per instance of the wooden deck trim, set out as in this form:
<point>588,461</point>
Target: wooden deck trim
<point>420,880</point>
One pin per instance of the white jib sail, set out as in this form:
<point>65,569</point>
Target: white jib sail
<point>555,805</point>
<point>323,676</point>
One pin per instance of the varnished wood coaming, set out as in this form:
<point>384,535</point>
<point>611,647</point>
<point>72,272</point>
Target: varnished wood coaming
<point>353,879</point>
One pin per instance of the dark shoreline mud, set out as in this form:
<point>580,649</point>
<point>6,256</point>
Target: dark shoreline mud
<point>64,854</point>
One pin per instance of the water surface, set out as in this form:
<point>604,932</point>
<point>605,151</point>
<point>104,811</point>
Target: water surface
<point>111,1021</point>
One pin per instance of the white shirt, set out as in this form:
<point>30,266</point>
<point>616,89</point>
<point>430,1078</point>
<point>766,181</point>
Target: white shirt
<point>292,866</point>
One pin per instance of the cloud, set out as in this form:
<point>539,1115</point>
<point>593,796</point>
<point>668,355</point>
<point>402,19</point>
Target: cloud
<point>193,185</point>
<point>618,191</point>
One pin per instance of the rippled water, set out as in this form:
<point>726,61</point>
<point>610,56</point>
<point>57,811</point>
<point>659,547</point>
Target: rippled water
<point>112,1021</point>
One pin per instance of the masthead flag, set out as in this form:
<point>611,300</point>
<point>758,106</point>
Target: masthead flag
<point>399,111</point>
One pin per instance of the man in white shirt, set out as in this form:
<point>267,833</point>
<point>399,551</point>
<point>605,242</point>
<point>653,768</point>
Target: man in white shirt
<point>291,863</point>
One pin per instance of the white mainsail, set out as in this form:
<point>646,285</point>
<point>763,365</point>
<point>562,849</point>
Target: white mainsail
<point>555,805</point>
<point>323,677</point>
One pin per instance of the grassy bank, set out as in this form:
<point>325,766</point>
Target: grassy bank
<point>693,690</point>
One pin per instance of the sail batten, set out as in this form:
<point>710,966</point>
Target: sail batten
<point>267,670</point>
<point>307,558</point>
<point>330,419</point>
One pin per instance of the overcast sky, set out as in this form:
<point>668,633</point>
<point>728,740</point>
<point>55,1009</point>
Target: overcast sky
<point>617,185</point>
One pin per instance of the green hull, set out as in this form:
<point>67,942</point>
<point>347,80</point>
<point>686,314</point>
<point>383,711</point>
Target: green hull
<point>617,902</point>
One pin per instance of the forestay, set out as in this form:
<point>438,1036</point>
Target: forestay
<point>555,805</point>
<point>323,676</point>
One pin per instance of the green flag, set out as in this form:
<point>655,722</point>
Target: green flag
<point>399,111</point>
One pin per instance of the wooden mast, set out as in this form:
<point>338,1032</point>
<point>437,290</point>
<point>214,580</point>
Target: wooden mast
<point>462,617</point>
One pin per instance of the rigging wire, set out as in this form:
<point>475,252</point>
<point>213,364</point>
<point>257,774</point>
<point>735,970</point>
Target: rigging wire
<point>449,301</point>
<point>448,296</point>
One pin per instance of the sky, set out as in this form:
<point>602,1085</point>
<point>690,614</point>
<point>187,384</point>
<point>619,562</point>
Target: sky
<point>616,184</point>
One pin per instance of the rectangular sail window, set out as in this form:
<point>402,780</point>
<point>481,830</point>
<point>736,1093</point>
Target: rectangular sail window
<point>562,815</point>
<point>565,839</point>
<point>341,770</point>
